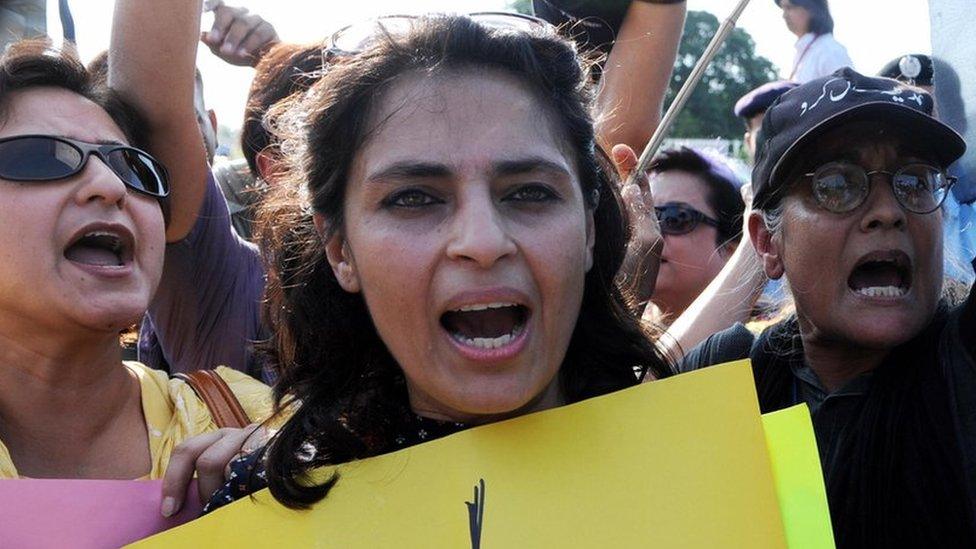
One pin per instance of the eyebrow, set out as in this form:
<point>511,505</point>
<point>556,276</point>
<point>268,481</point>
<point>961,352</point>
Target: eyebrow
<point>100,141</point>
<point>434,170</point>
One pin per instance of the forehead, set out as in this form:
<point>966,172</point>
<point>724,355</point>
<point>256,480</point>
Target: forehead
<point>867,143</point>
<point>56,111</point>
<point>464,119</point>
<point>680,186</point>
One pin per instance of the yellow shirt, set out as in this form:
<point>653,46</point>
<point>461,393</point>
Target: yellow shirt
<point>174,413</point>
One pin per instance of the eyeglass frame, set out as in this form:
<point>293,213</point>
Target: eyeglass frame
<point>949,182</point>
<point>697,216</point>
<point>101,150</point>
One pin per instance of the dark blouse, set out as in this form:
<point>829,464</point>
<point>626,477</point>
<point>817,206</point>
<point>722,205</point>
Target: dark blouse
<point>247,474</point>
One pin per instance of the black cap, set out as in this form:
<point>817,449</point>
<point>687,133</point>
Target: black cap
<point>807,112</point>
<point>759,99</point>
<point>914,69</point>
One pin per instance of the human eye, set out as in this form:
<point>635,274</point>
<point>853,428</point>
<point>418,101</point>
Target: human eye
<point>410,199</point>
<point>532,193</point>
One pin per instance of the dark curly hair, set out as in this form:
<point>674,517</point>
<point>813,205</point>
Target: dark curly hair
<point>336,374</point>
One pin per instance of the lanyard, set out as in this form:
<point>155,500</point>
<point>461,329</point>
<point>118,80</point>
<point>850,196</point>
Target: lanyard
<point>796,66</point>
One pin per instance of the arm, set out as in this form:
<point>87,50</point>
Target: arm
<point>152,59</point>
<point>637,73</point>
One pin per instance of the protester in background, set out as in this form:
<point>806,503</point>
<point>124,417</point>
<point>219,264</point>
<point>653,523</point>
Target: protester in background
<point>83,221</point>
<point>848,195</point>
<point>913,69</point>
<point>818,53</point>
<point>504,222</point>
<point>205,312</point>
<point>699,211</point>
<point>752,106</point>
<point>284,70</point>
<point>640,39</point>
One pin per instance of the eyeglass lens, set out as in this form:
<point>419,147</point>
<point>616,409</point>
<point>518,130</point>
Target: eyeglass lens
<point>676,220</point>
<point>37,158</point>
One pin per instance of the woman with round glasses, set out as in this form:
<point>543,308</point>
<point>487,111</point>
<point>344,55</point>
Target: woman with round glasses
<point>457,156</point>
<point>699,210</point>
<point>848,194</point>
<point>83,217</point>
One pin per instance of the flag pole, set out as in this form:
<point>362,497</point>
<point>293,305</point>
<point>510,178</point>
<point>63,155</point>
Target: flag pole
<point>693,79</point>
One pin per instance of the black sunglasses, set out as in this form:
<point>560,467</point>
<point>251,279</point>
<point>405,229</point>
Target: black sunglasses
<point>49,158</point>
<point>677,218</point>
<point>841,187</point>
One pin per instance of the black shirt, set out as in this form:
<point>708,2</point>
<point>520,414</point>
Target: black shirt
<point>914,416</point>
<point>592,23</point>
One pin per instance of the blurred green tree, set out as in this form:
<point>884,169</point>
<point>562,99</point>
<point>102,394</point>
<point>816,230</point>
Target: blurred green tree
<point>521,6</point>
<point>735,71</point>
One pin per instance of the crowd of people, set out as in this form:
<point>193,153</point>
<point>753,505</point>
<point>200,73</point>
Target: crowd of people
<point>437,224</point>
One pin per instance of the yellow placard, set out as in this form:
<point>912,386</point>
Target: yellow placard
<point>681,462</point>
<point>799,481</point>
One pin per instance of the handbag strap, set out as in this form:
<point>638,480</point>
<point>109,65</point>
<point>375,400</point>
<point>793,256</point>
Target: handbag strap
<point>216,394</point>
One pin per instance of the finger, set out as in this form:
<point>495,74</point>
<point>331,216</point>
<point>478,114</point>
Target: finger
<point>212,464</point>
<point>624,159</point>
<point>179,472</point>
<point>238,32</point>
<point>258,40</point>
<point>224,17</point>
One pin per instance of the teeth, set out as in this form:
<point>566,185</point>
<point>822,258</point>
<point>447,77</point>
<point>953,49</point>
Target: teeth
<point>485,342</point>
<point>882,291</point>
<point>485,307</point>
<point>115,239</point>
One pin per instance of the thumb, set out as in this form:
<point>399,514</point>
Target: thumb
<point>625,160</point>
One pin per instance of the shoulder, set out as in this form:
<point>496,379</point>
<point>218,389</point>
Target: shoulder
<point>733,343</point>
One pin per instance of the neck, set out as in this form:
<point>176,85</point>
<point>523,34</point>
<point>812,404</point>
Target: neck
<point>59,392</point>
<point>836,362</point>
<point>551,397</point>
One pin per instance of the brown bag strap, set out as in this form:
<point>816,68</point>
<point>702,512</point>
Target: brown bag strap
<point>220,400</point>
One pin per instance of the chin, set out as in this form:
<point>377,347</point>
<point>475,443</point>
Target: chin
<point>111,315</point>
<point>885,332</point>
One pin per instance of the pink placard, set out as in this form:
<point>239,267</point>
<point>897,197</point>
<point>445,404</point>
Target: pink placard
<point>83,514</point>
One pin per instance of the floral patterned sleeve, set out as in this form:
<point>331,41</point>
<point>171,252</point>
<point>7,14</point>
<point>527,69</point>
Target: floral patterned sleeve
<point>247,475</point>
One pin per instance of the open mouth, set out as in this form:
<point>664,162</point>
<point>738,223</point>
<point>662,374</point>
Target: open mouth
<point>100,248</point>
<point>486,326</point>
<point>882,274</point>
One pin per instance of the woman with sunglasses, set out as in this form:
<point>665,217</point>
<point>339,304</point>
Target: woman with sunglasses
<point>699,210</point>
<point>83,226</point>
<point>443,250</point>
<point>848,194</point>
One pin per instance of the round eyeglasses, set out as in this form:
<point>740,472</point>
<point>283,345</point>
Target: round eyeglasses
<point>841,187</point>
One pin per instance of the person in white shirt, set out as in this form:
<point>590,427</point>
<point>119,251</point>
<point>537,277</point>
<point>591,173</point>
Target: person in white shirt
<point>818,53</point>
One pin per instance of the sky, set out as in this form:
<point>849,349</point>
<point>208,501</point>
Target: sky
<point>872,30</point>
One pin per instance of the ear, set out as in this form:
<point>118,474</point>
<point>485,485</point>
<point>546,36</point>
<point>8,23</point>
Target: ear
<point>213,120</point>
<point>769,250</point>
<point>590,238</point>
<point>339,257</point>
<point>266,166</point>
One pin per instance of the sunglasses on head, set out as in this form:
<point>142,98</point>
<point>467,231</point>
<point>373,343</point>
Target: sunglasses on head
<point>841,187</point>
<point>676,218</point>
<point>39,158</point>
<point>357,37</point>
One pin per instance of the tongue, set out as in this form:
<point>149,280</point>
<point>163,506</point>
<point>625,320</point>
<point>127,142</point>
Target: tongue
<point>875,275</point>
<point>92,255</point>
<point>490,323</point>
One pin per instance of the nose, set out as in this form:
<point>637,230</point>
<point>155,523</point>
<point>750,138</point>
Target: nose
<point>98,183</point>
<point>882,208</point>
<point>479,233</point>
